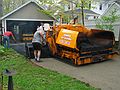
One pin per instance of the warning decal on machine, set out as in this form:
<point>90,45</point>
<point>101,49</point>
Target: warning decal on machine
<point>67,38</point>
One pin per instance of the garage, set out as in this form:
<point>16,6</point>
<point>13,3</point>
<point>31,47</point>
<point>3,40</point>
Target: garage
<point>24,20</point>
<point>24,30</point>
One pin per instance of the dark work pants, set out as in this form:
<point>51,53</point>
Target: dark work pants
<point>6,41</point>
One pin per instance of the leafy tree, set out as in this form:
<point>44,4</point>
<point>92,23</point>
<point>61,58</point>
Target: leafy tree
<point>51,6</point>
<point>106,22</point>
<point>54,6</point>
<point>9,5</point>
<point>82,4</point>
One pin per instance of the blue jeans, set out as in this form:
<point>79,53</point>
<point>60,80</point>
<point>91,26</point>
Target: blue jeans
<point>6,41</point>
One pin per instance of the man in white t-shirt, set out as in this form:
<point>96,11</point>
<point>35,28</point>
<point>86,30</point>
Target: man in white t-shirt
<point>37,42</point>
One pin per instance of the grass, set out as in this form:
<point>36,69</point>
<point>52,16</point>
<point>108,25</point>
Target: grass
<point>31,77</point>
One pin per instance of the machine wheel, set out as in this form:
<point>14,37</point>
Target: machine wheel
<point>75,62</point>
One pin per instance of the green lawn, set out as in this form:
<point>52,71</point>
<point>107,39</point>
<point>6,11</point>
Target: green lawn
<point>31,77</point>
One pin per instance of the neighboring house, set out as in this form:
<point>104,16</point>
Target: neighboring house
<point>100,6</point>
<point>68,5</point>
<point>114,5</point>
<point>88,14</point>
<point>24,20</point>
<point>72,12</point>
<point>70,8</point>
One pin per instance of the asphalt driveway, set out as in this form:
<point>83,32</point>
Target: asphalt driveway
<point>104,75</point>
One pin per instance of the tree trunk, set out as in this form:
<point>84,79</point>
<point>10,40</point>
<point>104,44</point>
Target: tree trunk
<point>119,41</point>
<point>60,19</point>
<point>82,13</point>
<point>1,8</point>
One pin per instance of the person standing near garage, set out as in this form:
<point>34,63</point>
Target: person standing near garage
<point>37,42</point>
<point>6,39</point>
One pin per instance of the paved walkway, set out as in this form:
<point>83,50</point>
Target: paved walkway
<point>104,75</point>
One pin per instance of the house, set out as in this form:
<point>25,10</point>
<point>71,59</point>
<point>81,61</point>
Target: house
<point>88,14</point>
<point>116,25</point>
<point>72,11</point>
<point>96,6</point>
<point>24,20</point>
<point>100,6</point>
<point>114,5</point>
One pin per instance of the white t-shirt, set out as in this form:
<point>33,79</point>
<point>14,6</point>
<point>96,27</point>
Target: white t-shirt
<point>37,37</point>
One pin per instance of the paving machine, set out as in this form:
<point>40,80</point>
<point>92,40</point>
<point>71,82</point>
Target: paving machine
<point>79,44</point>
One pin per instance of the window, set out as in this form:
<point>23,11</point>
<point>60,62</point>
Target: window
<point>100,7</point>
<point>68,6</point>
<point>89,4</point>
<point>109,5</point>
